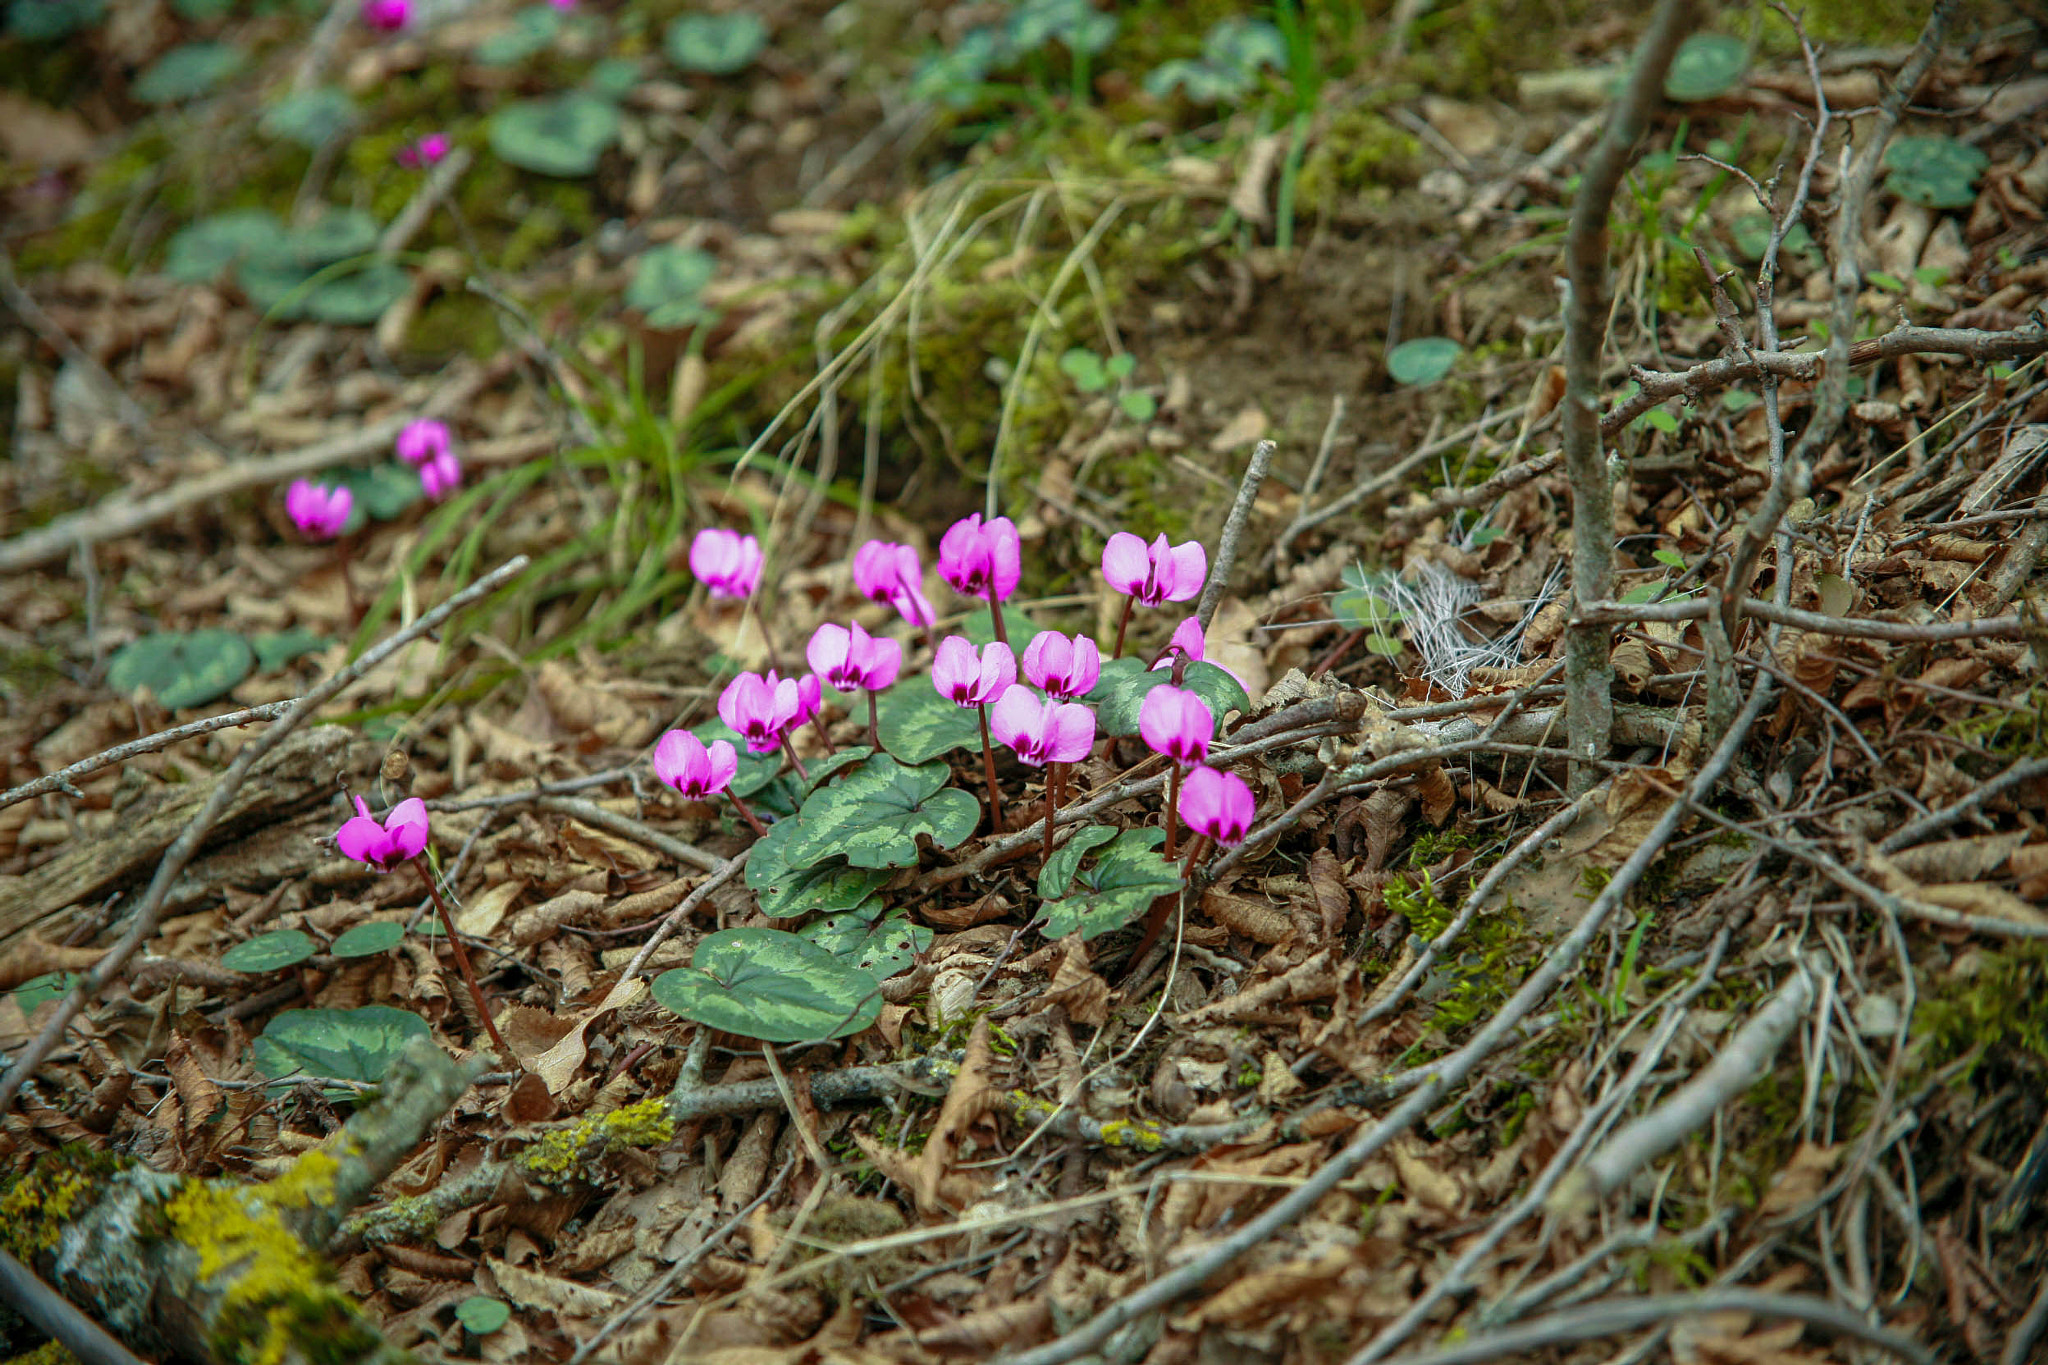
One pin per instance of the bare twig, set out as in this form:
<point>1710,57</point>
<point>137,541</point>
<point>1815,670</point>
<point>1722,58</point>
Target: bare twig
<point>1611,1317</point>
<point>2026,770</point>
<point>24,1291</point>
<point>1448,1073</point>
<point>1852,627</point>
<point>626,827</point>
<point>147,912</point>
<point>1589,676</point>
<point>62,779</point>
<point>1233,531</point>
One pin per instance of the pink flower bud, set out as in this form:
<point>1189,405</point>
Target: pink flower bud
<point>1177,723</point>
<point>401,836</point>
<point>1157,572</point>
<point>388,16</point>
<point>428,151</point>
<point>693,768</point>
<point>726,562</point>
<point>982,560</point>
<point>966,679</point>
<point>1217,804</point>
<point>1042,730</point>
<point>1065,666</point>
<point>318,511</point>
<point>422,441</point>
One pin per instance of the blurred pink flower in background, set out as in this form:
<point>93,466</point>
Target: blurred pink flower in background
<point>423,440</point>
<point>317,510</point>
<point>726,561</point>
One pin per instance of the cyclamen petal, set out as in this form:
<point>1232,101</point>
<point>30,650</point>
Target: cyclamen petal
<point>1154,573</point>
<point>695,769</point>
<point>726,562</point>
<point>440,476</point>
<point>1065,666</point>
<point>421,441</point>
<point>966,678</point>
<point>1041,730</point>
<point>1217,804</point>
<point>982,559</point>
<point>762,709</point>
<point>1177,723</point>
<point>319,512</point>
<point>401,836</point>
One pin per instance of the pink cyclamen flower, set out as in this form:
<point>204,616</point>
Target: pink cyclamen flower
<point>1065,666</point>
<point>428,151</point>
<point>402,835</point>
<point>762,709</point>
<point>440,476</point>
<point>967,679</point>
<point>1042,730</point>
<point>692,767</point>
<point>424,441</point>
<point>1187,639</point>
<point>387,15</point>
<point>1177,723</point>
<point>1157,572</point>
<point>1217,804</point>
<point>982,559</point>
<point>810,698</point>
<point>726,562</point>
<point>848,657</point>
<point>884,571</point>
<point>317,510</point>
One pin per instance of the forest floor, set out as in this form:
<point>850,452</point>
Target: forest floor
<point>1772,1021</point>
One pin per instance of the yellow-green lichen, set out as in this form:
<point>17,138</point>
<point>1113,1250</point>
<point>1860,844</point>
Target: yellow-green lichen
<point>1143,1137</point>
<point>35,1209</point>
<point>557,1157</point>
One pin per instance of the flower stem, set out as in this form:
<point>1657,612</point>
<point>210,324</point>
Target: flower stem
<point>988,768</point>
<point>874,723</point>
<point>995,611</point>
<point>1196,846</point>
<point>1123,624</point>
<point>462,962</point>
<point>1172,807</point>
<point>1052,782</point>
<point>801,771</point>
<point>745,814</point>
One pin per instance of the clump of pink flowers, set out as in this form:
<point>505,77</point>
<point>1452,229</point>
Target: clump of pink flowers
<point>1152,574</point>
<point>429,447</point>
<point>428,151</point>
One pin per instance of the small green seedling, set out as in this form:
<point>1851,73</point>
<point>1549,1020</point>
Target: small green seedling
<point>367,940</point>
<point>1706,65</point>
<point>1940,172</point>
<point>667,286</point>
<point>483,1315</point>
<point>1234,54</point>
<point>1423,361</point>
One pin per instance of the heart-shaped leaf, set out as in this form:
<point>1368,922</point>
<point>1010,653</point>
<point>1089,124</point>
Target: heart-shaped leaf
<point>1127,877</point>
<point>183,670</point>
<point>482,1314</point>
<point>198,254</point>
<point>771,985</point>
<point>364,940</point>
<point>918,724</point>
<point>359,297</point>
<point>270,952</point>
<point>716,44</point>
<point>782,890</point>
<point>381,492</point>
<point>1940,172</point>
<point>878,942</point>
<point>667,283</point>
<point>1423,361</point>
<point>564,136</point>
<point>310,118</point>
<point>40,990</point>
<point>1058,873</point>
<point>341,1045</point>
<point>1242,46</point>
<point>1119,693</point>
<point>1706,65</point>
<point>873,816</point>
<point>274,651</point>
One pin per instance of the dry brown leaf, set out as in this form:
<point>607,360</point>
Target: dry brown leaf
<point>1960,860</point>
<point>1083,994</point>
<point>560,1063</point>
<point>972,1095</point>
<point>1332,896</point>
<point>1425,1182</point>
<point>1247,1298</point>
<point>486,910</point>
<point>550,1293</point>
<point>992,1329</point>
<point>1802,1177</point>
<point>1258,922</point>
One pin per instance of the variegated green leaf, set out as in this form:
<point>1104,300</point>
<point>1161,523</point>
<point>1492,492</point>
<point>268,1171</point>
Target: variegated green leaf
<point>873,816</point>
<point>782,890</point>
<point>918,724</point>
<point>771,985</point>
<point>1120,692</point>
<point>1058,873</point>
<point>1127,877</point>
<point>870,938</point>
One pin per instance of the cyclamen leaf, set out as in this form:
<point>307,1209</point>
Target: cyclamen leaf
<point>183,670</point>
<point>269,952</point>
<point>918,724</point>
<point>876,942</point>
<point>1119,693</point>
<point>1058,873</point>
<point>771,985</point>
<point>782,890</point>
<point>873,817</point>
<point>364,940</point>
<point>343,1045</point>
<point>1127,877</point>
<point>482,1314</point>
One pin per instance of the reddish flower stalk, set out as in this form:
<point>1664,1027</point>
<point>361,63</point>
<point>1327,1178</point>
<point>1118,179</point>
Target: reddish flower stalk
<point>1172,807</point>
<point>1123,624</point>
<point>988,768</point>
<point>462,964</point>
<point>760,831</point>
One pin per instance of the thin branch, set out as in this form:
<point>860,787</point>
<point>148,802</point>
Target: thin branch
<point>1852,627</point>
<point>62,779</point>
<point>1612,1317</point>
<point>150,909</point>
<point>1589,676</point>
<point>626,827</point>
<point>1233,531</point>
<point>1445,1075</point>
<point>24,1291</point>
<point>1709,376</point>
<point>2026,770</point>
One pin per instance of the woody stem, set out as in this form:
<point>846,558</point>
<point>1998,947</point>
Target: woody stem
<point>995,611</point>
<point>988,768</point>
<point>746,814</point>
<point>874,724</point>
<point>1123,624</point>
<point>462,961</point>
<point>1172,806</point>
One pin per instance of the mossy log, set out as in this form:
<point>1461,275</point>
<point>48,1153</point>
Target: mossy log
<point>213,1272</point>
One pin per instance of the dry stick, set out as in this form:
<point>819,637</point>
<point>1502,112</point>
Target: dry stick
<point>187,843</point>
<point>1853,627</point>
<point>625,826</point>
<point>61,780</point>
<point>1452,499</point>
<point>1233,531</point>
<point>1612,1317</point>
<point>1589,675</point>
<point>1831,400</point>
<point>732,867</point>
<point>2026,770</point>
<point>1447,1073</point>
<point>56,1316</point>
<point>122,514</point>
<point>1737,1066</point>
<point>1400,469</point>
<point>1712,375</point>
